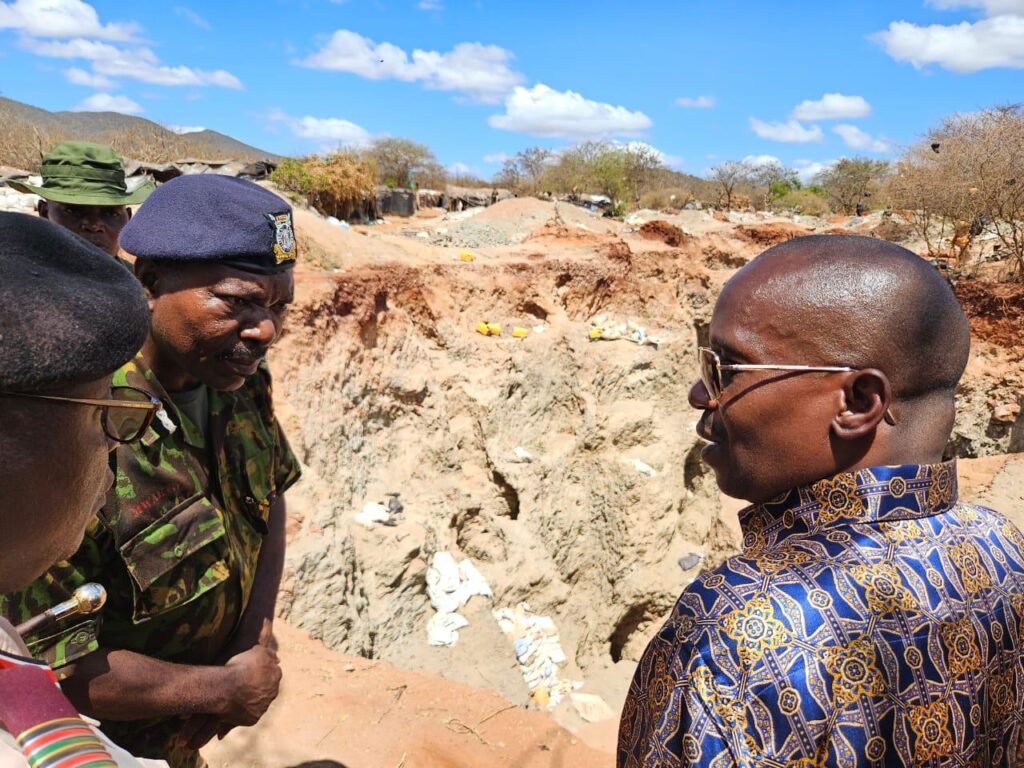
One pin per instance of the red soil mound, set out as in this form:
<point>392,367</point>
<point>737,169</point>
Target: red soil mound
<point>663,231</point>
<point>995,311</point>
<point>770,234</point>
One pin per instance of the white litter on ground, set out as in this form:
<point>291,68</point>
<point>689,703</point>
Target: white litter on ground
<point>372,514</point>
<point>538,650</point>
<point>522,454</point>
<point>641,467</point>
<point>449,587</point>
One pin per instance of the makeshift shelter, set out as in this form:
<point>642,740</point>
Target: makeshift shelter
<point>460,198</point>
<point>396,202</point>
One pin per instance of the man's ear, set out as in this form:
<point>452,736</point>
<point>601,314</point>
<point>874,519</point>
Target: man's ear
<point>128,212</point>
<point>149,275</point>
<point>866,399</point>
<point>43,209</point>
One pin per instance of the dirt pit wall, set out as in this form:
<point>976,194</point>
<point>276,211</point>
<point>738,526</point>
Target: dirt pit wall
<point>396,392</point>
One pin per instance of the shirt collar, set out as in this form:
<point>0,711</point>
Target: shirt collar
<point>138,374</point>
<point>873,494</point>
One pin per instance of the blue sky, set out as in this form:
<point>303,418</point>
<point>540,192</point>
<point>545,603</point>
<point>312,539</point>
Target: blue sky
<point>805,82</point>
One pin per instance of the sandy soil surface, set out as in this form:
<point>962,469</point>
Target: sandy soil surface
<point>337,710</point>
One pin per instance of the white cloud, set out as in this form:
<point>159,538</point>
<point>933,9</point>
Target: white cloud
<point>832,106</point>
<point>759,160</point>
<point>61,18</point>
<point>192,17</point>
<point>78,76</point>
<point>183,129</point>
<point>808,169</point>
<point>990,7</point>
<point>791,131</point>
<point>855,138</point>
<point>134,64</point>
<point>543,111</point>
<point>329,131</point>
<point>106,102</point>
<point>965,47</point>
<point>700,102</point>
<point>462,169</point>
<point>481,72</point>
<point>497,158</point>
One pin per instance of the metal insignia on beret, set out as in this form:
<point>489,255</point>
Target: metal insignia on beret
<point>284,236</point>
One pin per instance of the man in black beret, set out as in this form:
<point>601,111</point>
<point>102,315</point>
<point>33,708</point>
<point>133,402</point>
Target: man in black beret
<point>69,316</point>
<point>191,546</point>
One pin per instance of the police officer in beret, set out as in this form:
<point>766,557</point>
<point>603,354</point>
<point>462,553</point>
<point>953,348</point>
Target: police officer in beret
<point>190,546</point>
<point>69,317</point>
<point>84,190</point>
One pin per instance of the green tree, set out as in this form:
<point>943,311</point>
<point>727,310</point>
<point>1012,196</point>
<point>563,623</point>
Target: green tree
<point>401,163</point>
<point>852,181</point>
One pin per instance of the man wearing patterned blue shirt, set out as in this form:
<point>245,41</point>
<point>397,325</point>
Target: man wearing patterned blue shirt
<point>872,619</point>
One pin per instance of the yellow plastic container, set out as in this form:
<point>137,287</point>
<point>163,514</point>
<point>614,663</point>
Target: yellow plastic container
<point>466,256</point>
<point>595,333</point>
<point>520,333</point>
<point>483,329</point>
<point>494,328</point>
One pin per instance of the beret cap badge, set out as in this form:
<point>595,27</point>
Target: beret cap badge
<point>284,236</point>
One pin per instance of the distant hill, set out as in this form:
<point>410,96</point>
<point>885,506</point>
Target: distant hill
<point>25,130</point>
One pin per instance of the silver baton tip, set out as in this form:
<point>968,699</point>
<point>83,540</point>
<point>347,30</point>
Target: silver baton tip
<point>90,598</point>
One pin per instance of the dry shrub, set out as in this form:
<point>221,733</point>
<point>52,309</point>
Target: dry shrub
<point>965,178</point>
<point>22,145</point>
<point>671,197</point>
<point>335,185</point>
<point>802,201</point>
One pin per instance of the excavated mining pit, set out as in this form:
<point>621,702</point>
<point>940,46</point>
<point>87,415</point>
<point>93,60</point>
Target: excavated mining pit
<point>565,468</point>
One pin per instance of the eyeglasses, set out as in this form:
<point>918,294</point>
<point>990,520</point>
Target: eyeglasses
<point>711,368</point>
<point>125,416</point>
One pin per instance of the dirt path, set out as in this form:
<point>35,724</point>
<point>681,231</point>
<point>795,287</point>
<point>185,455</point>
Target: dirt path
<point>337,710</point>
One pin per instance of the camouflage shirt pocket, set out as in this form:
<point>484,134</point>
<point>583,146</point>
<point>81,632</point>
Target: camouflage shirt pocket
<point>177,558</point>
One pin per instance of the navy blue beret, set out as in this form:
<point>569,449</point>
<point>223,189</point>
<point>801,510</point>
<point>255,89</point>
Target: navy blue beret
<point>214,219</point>
<point>69,312</point>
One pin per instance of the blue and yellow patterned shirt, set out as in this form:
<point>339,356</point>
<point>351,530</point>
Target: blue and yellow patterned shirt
<point>871,620</point>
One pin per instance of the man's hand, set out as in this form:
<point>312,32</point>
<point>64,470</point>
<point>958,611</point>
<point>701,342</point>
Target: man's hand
<point>254,680</point>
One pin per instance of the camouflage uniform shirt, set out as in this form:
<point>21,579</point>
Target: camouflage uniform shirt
<point>176,545</point>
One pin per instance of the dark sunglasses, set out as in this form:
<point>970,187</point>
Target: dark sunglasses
<point>125,416</point>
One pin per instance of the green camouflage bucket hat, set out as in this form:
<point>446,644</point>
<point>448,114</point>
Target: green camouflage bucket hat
<point>80,173</point>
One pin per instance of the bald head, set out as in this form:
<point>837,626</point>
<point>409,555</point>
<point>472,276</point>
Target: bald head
<point>864,303</point>
<point>838,302</point>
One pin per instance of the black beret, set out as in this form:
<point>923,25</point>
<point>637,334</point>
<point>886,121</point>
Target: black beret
<point>69,312</point>
<point>205,218</point>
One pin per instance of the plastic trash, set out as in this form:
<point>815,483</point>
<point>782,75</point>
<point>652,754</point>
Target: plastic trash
<point>538,651</point>
<point>443,628</point>
<point>466,256</point>
<point>641,467</point>
<point>494,328</point>
<point>450,585</point>
<point>520,333</point>
<point>483,329</point>
<point>372,514</point>
<point>522,454</point>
